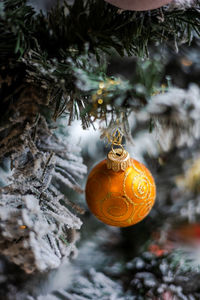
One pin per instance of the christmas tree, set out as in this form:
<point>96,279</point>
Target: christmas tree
<point>79,77</point>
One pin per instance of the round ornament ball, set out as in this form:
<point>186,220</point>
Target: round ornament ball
<point>120,191</point>
<point>138,5</point>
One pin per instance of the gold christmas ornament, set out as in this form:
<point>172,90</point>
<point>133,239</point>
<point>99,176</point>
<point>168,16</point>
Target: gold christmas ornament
<point>120,191</point>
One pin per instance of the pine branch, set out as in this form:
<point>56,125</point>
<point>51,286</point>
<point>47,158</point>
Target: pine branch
<point>128,32</point>
<point>77,65</point>
<point>36,224</point>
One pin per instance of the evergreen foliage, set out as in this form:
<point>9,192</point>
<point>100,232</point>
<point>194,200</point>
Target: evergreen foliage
<point>62,50</point>
<point>60,63</point>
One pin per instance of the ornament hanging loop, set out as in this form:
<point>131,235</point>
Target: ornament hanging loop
<point>120,147</point>
<point>118,158</point>
<point>116,140</point>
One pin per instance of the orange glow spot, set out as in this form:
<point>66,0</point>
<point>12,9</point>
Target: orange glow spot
<point>22,227</point>
<point>155,249</point>
<point>186,62</point>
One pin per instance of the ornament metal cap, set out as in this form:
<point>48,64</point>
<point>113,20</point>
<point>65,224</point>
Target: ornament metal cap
<point>118,159</point>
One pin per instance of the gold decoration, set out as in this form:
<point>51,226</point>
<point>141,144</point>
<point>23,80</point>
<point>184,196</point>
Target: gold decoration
<point>101,85</point>
<point>99,92</point>
<point>98,98</point>
<point>100,101</point>
<point>120,191</point>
